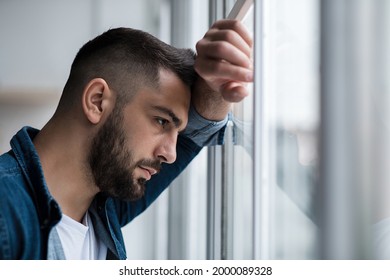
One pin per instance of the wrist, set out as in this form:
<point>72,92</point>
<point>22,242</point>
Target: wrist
<point>209,103</point>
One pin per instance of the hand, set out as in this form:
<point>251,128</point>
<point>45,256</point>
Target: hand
<point>224,59</point>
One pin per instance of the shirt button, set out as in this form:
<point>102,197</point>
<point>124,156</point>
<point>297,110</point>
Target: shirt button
<point>45,224</point>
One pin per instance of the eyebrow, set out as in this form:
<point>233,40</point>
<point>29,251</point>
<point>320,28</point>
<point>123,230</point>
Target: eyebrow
<point>177,122</point>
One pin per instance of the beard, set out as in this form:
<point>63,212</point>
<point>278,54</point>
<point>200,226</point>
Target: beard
<point>112,164</point>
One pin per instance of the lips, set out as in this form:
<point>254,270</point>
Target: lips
<point>149,172</point>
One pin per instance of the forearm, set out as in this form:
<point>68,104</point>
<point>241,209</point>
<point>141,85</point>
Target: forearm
<point>207,103</point>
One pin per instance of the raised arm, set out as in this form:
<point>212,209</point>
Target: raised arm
<point>225,67</point>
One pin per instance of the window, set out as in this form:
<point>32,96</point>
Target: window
<point>267,202</point>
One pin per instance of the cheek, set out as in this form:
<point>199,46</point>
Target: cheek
<point>142,138</point>
<point>141,145</point>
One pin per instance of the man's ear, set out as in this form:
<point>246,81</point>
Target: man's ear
<point>97,100</point>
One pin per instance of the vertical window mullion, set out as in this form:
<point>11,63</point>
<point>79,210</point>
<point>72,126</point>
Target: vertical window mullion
<point>260,193</point>
<point>214,171</point>
<point>220,172</point>
<point>346,32</point>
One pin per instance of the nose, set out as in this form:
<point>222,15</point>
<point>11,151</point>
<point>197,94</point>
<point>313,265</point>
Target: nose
<point>166,150</point>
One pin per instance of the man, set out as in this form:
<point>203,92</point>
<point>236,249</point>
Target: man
<point>117,139</point>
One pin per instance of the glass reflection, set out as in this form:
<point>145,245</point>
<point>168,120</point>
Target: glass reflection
<point>290,127</point>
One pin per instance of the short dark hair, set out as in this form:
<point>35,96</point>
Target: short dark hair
<point>126,58</point>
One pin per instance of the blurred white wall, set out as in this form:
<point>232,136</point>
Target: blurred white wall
<point>39,40</point>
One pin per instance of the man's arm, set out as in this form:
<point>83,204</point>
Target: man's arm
<point>224,65</point>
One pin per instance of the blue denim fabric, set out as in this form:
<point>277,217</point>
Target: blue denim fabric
<point>204,132</point>
<point>28,212</point>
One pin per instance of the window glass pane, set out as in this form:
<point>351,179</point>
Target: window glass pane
<point>242,173</point>
<point>291,94</point>
<point>289,134</point>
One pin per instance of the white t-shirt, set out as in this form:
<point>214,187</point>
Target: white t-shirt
<point>79,241</point>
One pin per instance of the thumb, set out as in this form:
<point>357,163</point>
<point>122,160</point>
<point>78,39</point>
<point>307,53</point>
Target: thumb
<point>234,92</point>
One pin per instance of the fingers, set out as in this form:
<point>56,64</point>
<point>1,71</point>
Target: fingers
<point>234,92</point>
<point>228,36</point>
<point>221,70</point>
<point>228,40</point>
<point>235,25</point>
<point>224,56</point>
<point>224,59</point>
<point>218,50</point>
<point>225,78</point>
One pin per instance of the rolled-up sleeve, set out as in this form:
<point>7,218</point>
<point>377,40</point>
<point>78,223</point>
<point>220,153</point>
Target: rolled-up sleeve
<point>204,132</point>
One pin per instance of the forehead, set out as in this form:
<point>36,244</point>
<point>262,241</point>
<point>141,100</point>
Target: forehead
<point>171,93</point>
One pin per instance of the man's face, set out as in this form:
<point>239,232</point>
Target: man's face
<point>131,145</point>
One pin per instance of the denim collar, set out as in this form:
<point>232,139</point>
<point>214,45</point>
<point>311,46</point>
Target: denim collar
<point>48,210</point>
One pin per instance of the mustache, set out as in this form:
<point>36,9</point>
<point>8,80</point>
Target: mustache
<point>152,163</point>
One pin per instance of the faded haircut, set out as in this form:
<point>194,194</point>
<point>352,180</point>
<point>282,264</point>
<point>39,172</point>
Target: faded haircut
<point>126,59</point>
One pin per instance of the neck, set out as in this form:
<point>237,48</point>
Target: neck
<point>62,148</point>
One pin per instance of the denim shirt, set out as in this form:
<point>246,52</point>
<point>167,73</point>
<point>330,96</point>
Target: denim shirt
<point>28,212</point>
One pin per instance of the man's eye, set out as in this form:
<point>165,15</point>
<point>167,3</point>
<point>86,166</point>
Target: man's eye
<point>162,122</point>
